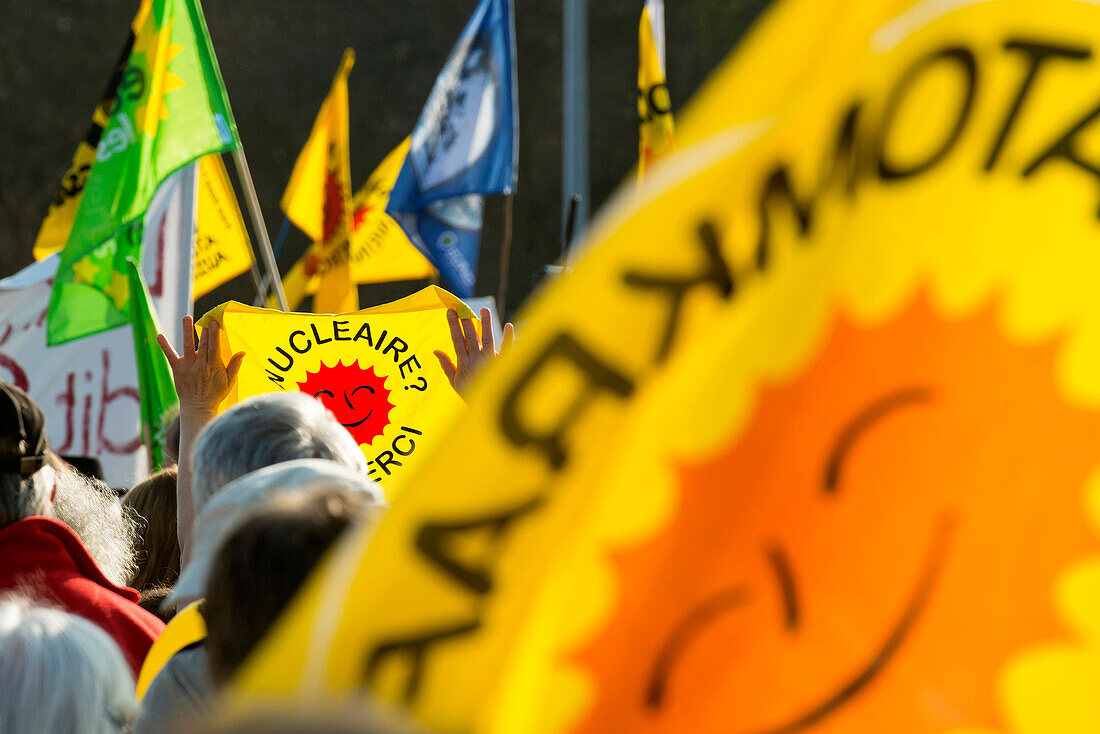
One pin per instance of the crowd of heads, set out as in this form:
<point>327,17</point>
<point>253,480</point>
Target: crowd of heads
<point>89,575</point>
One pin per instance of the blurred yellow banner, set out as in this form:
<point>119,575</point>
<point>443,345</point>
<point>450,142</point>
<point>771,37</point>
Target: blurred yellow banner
<point>374,369</point>
<point>222,250</point>
<point>318,197</point>
<point>809,439</point>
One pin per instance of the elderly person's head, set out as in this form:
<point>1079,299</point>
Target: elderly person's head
<point>94,512</point>
<point>26,479</point>
<point>61,674</point>
<point>238,498</point>
<point>266,430</point>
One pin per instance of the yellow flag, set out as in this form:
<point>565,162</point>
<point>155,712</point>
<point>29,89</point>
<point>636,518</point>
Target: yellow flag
<point>374,369</point>
<point>222,250</point>
<point>318,197</point>
<point>655,126</point>
<point>186,628</point>
<point>809,440</point>
<point>380,251</point>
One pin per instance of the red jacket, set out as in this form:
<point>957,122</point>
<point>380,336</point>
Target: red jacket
<point>44,559</point>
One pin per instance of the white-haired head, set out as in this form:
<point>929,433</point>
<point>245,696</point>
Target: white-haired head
<point>265,430</point>
<point>91,509</point>
<point>61,674</point>
<point>234,501</point>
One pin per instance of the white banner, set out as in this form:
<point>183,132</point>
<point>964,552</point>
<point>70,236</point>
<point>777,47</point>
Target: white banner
<point>88,388</point>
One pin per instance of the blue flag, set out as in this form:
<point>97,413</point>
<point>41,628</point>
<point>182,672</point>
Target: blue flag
<point>465,145</point>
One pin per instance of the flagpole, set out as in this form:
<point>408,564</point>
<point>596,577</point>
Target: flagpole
<point>258,224</point>
<point>505,254</point>
<point>261,291</point>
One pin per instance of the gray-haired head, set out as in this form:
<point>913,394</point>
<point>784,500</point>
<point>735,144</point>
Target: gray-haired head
<point>61,673</point>
<point>233,502</point>
<point>93,511</point>
<point>265,430</point>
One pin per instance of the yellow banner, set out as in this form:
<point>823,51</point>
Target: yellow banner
<point>380,251</point>
<point>810,438</point>
<point>318,197</point>
<point>374,369</point>
<point>222,250</point>
<point>655,125</point>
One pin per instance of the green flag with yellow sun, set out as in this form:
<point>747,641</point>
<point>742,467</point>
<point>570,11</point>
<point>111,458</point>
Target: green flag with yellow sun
<point>171,108</point>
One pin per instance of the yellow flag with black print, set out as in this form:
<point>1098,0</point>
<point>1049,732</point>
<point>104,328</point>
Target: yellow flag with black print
<point>374,369</point>
<point>655,125</point>
<point>380,252</point>
<point>808,441</point>
<point>318,197</point>
<point>222,249</point>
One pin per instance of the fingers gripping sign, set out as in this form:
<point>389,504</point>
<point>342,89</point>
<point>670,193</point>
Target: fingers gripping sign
<point>472,354</point>
<point>202,378</point>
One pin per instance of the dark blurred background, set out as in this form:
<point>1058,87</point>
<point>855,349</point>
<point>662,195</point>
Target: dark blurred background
<point>278,58</point>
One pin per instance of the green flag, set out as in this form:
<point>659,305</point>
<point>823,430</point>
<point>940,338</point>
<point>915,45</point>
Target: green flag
<point>158,393</point>
<point>171,108</point>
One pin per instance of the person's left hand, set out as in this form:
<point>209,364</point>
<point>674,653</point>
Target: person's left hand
<point>472,355</point>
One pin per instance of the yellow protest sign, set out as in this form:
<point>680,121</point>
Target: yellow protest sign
<point>222,251</point>
<point>655,124</point>
<point>380,252</point>
<point>374,369</point>
<point>318,196</point>
<point>809,440</point>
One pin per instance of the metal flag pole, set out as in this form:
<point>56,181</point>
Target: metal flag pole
<point>262,290</point>
<point>574,179</point>
<point>505,254</point>
<point>258,224</point>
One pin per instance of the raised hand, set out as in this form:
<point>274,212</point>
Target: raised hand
<point>472,355</point>
<point>202,378</point>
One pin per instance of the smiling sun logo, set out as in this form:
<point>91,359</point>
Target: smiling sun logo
<point>357,397</point>
<point>887,540</point>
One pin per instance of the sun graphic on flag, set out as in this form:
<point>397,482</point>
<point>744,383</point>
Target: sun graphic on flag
<point>356,397</point>
<point>153,51</point>
<point>900,540</point>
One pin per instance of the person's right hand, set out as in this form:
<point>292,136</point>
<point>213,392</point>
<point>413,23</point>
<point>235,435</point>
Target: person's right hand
<point>201,376</point>
<point>472,354</point>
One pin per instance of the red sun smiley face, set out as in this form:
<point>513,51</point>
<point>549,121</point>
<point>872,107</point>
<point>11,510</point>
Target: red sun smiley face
<point>356,397</point>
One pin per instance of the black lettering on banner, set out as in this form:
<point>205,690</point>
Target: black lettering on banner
<point>385,460</point>
<point>295,347</point>
<point>337,331</point>
<point>407,364</point>
<point>1037,54</point>
<point>412,445</point>
<point>397,350</point>
<point>1066,147</point>
<point>963,58</point>
<point>778,183</point>
<point>415,648</point>
<point>716,273</point>
<point>433,541</point>
<point>364,334</point>
<point>601,376</point>
<point>846,154</point>
<point>289,360</point>
<point>317,336</point>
